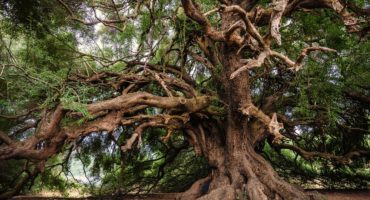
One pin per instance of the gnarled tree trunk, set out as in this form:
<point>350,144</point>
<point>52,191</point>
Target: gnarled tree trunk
<point>237,170</point>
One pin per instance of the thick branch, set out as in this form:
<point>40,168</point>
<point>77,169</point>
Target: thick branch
<point>358,96</point>
<point>251,29</point>
<point>296,66</point>
<point>170,122</point>
<point>192,11</point>
<point>5,138</point>
<point>107,123</point>
<point>47,130</point>
<point>272,123</point>
<point>278,11</point>
<point>263,16</point>
<point>142,98</point>
<point>252,63</point>
<point>195,190</point>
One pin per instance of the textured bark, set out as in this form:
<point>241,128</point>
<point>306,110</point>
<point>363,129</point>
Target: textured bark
<point>238,171</point>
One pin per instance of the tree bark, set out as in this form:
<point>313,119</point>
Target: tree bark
<point>238,172</point>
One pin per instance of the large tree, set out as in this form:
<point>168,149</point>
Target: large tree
<point>229,76</point>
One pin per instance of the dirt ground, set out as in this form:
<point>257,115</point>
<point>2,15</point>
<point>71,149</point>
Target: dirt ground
<point>331,195</point>
<point>347,194</point>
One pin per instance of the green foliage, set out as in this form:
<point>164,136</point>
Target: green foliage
<point>71,100</point>
<point>41,49</point>
<point>317,172</point>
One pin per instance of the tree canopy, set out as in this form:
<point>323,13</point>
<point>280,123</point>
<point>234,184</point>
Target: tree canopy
<point>153,95</point>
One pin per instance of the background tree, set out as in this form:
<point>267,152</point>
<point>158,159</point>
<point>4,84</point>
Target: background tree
<point>167,75</point>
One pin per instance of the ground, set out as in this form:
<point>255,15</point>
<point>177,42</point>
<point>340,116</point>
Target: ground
<point>347,194</point>
<point>331,194</point>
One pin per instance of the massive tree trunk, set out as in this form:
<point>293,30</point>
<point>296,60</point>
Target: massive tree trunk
<point>238,172</point>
